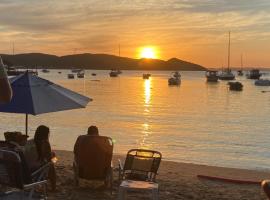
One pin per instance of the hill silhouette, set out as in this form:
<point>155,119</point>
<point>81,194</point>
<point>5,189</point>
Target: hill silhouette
<point>97,61</point>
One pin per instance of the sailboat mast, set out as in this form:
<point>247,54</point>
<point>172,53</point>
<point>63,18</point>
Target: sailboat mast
<point>241,61</point>
<point>13,49</point>
<point>229,50</point>
<point>119,50</point>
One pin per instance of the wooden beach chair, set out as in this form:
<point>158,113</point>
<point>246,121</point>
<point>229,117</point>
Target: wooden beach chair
<point>14,174</point>
<point>93,159</point>
<point>139,172</point>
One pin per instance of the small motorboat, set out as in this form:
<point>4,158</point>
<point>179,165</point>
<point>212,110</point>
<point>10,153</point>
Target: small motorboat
<point>113,73</point>
<point>59,72</point>
<point>146,76</point>
<point>93,74</point>
<point>211,76</point>
<point>80,75</point>
<point>45,70</point>
<point>262,82</point>
<point>70,76</point>
<point>235,86</point>
<point>174,81</point>
<point>254,74</point>
<point>240,73</point>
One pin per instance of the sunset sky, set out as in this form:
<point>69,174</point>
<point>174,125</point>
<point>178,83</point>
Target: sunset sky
<point>192,30</point>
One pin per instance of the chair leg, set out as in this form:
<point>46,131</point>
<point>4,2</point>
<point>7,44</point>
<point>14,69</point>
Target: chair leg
<point>76,175</point>
<point>155,194</point>
<point>121,193</point>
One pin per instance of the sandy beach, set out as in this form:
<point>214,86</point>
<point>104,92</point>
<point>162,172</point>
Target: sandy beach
<point>176,180</point>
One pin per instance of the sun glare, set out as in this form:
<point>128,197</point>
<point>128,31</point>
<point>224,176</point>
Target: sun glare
<point>148,52</point>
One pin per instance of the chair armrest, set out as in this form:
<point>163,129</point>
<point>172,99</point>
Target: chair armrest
<point>120,165</point>
<point>112,164</point>
<point>44,169</point>
<point>121,170</point>
<point>34,184</point>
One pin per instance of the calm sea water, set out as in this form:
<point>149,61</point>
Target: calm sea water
<point>195,122</point>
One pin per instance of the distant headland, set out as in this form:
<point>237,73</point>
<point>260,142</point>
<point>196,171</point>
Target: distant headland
<point>97,61</point>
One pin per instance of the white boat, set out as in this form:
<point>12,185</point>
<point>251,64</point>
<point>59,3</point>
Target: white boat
<point>262,82</point>
<point>211,76</point>
<point>227,74</point>
<point>175,79</point>
<point>113,73</point>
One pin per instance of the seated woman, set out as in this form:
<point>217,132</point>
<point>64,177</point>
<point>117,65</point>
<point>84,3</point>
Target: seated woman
<point>38,151</point>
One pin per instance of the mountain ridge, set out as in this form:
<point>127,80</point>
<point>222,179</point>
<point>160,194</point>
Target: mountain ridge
<point>97,61</point>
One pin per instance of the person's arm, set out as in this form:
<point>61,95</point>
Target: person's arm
<point>46,150</point>
<point>5,89</point>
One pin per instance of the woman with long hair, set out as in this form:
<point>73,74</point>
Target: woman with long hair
<point>37,152</point>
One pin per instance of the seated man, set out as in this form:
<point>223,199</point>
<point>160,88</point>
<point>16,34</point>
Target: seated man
<point>93,156</point>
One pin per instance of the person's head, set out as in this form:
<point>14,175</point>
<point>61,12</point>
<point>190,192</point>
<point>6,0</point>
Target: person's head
<point>42,133</point>
<point>92,130</point>
<point>17,137</point>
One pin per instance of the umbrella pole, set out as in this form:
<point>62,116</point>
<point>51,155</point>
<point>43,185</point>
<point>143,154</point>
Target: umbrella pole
<point>26,124</point>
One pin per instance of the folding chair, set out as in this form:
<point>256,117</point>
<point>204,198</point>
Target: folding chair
<point>139,172</point>
<point>14,174</point>
<point>93,159</point>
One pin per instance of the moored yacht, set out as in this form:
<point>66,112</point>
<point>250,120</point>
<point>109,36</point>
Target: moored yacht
<point>175,79</point>
<point>227,74</point>
<point>70,76</point>
<point>254,74</point>
<point>113,73</point>
<point>235,86</point>
<point>211,76</point>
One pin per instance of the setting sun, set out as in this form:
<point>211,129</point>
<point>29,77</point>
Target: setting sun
<point>148,52</point>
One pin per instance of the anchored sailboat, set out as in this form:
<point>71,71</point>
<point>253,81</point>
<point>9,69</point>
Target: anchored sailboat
<point>227,74</point>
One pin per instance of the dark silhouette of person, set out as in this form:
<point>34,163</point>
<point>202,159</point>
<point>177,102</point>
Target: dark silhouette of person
<point>5,89</point>
<point>38,152</point>
<point>93,130</point>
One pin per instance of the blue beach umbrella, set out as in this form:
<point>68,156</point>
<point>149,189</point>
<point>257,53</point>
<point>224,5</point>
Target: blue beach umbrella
<point>34,95</point>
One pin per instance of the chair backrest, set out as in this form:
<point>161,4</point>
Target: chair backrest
<point>11,169</point>
<point>142,164</point>
<point>93,156</point>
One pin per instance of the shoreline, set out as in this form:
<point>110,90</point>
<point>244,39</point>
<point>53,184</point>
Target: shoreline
<point>176,181</point>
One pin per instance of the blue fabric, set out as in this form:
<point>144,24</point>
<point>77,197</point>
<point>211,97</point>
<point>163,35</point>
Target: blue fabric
<point>35,95</point>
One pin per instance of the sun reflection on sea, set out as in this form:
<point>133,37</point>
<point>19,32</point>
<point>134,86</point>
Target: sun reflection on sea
<point>147,94</point>
<point>145,126</point>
